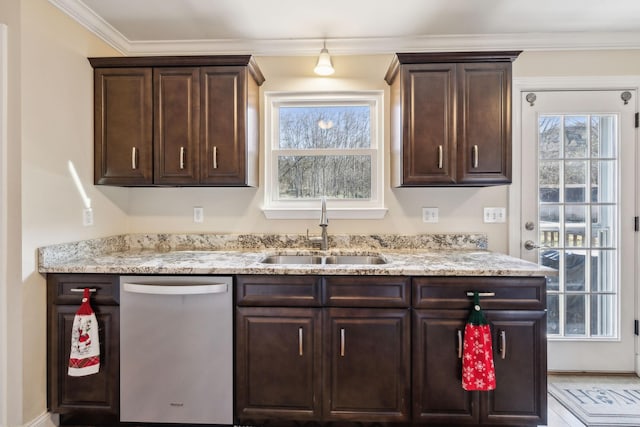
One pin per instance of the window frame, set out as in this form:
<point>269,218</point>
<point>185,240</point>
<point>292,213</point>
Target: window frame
<point>372,208</point>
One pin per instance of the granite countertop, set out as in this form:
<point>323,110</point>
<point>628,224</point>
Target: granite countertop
<point>418,255</point>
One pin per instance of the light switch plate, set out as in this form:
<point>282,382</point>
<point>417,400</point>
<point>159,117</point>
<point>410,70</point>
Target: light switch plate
<point>430,215</point>
<point>198,214</point>
<point>495,215</point>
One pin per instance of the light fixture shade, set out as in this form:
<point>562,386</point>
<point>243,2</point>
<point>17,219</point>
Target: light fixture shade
<point>324,67</point>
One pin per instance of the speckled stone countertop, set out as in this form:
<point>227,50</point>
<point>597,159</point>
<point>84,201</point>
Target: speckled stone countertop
<point>416,255</point>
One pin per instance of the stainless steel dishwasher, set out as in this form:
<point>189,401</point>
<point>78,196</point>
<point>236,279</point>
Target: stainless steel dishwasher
<point>176,349</point>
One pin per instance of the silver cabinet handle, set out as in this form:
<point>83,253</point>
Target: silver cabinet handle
<point>475,156</point>
<point>134,158</point>
<point>215,157</point>
<point>482,294</point>
<point>459,344</point>
<point>181,157</point>
<point>440,156</point>
<point>82,290</point>
<point>503,344</point>
<point>342,342</point>
<point>300,340</point>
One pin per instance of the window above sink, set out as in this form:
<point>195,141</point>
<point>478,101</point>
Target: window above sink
<point>324,145</point>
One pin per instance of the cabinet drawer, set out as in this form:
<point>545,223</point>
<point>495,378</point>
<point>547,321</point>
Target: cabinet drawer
<point>510,293</point>
<point>278,291</point>
<point>366,291</point>
<point>68,288</point>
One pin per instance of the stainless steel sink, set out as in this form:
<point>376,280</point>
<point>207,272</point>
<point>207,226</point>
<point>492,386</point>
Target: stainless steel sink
<point>293,259</point>
<point>318,259</point>
<point>354,259</point>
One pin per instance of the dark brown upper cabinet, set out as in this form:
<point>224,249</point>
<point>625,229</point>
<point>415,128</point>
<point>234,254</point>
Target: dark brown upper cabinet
<point>450,118</point>
<point>176,121</point>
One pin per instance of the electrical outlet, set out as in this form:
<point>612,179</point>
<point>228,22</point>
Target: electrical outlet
<point>495,215</point>
<point>198,214</point>
<point>430,215</point>
<point>87,217</point>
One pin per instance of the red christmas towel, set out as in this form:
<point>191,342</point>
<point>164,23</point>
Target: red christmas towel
<point>478,371</point>
<point>85,347</point>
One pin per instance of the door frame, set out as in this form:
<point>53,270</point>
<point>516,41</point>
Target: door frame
<point>514,194</point>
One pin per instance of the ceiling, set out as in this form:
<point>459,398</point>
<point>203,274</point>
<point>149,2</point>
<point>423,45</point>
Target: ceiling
<point>299,27</point>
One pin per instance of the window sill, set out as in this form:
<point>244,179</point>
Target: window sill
<point>314,213</point>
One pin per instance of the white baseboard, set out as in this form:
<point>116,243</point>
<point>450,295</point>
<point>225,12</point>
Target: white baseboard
<point>47,419</point>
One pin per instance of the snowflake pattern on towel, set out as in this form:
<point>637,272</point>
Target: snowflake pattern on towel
<point>478,372</point>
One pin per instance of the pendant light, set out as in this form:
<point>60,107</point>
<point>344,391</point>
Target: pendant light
<point>324,67</point>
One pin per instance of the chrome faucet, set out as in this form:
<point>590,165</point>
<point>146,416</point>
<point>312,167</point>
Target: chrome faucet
<point>323,239</point>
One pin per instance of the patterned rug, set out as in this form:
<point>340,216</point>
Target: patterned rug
<point>601,403</point>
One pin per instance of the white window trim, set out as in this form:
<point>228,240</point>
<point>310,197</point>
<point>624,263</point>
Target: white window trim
<point>309,209</point>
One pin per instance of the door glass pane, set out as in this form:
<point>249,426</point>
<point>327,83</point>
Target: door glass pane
<point>575,223</point>
<point>574,262</point>
<point>577,187</point>
<point>575,315</point>
<point>549,181</point>
<point>575,136</point>
<point>603,181</point>
<point>549,137</point>
<point>553,314</point>
<point>602,311</point>
<point>575,181</point>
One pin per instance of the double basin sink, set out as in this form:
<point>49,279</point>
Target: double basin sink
<point>325,259</point>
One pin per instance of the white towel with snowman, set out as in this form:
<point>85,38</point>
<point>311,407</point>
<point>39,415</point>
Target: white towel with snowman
<point>85,346</point>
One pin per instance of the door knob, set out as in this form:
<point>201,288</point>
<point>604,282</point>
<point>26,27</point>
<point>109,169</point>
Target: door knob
<point>530,245</point>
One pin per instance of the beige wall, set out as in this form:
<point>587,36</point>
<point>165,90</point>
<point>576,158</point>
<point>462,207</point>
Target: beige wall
<point>10,283</point>
<point>57,126</point>
<point>51,122</point>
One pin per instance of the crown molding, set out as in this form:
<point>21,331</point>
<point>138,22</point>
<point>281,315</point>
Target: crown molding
<point>78,11</point>
<point>86,17</point>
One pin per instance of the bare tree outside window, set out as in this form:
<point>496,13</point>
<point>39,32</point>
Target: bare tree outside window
<point>321,152</point>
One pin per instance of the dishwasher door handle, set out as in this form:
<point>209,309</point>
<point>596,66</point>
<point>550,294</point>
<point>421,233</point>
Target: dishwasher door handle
<point>143,288</point>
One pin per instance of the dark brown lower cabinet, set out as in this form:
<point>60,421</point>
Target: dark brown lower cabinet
<point>520,348</point>
<point>366,364</point>
<point>93,399</point>
<point>322,363</point>
<point>515,310</point>
<point>278,363</point>
<point>437,369</point>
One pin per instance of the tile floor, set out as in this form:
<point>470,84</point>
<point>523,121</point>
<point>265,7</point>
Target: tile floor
<point>559,416</point>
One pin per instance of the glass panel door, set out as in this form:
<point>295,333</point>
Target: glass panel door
<point>578,202</point>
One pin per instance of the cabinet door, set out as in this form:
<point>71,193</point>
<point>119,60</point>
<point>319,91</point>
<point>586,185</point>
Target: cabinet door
<point>123,151</point>
<point>366,364</point>
<point>438,396</point>
<point>520,349</point>
<point>224,135</point>
<point>176,125</point>
<point>484,123</point>
<point>429,155</point>
<point>93,398</point>
<point>278,363</point>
